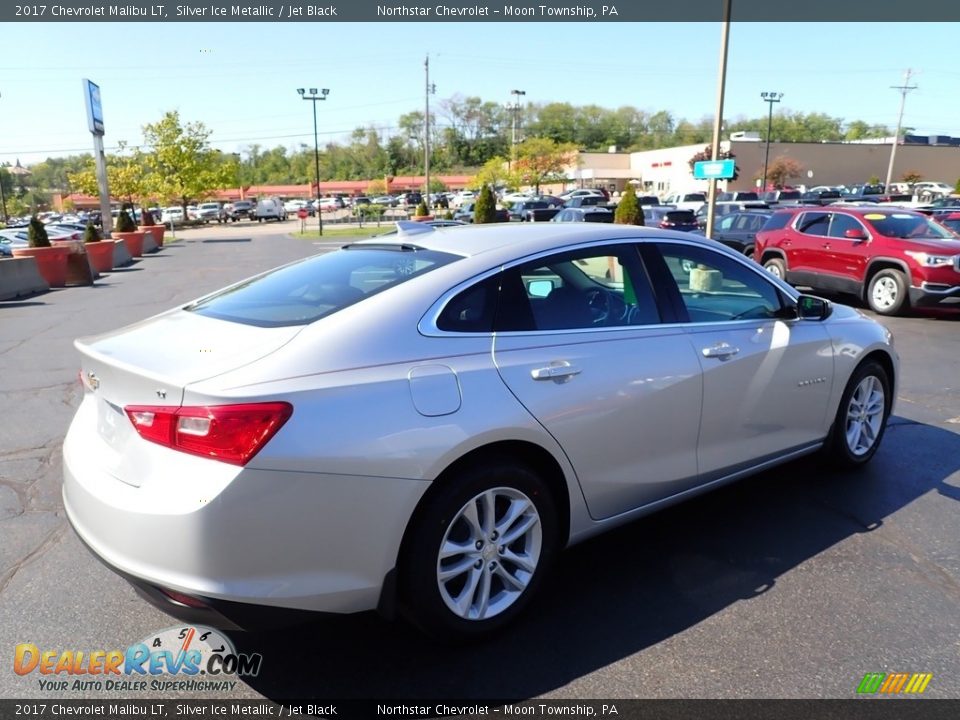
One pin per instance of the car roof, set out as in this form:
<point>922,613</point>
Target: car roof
<point>510,240</point>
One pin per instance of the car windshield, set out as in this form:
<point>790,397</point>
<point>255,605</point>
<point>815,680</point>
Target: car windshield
<point>904,225</point>
<point>306,291</point>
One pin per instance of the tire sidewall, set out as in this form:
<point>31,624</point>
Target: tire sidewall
<point>779,264</point>
<point>901,301</point>
<point>420,598</point>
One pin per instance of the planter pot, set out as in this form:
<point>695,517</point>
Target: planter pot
<point>101,255</point>
<point>421,218</point>
<point>51,262</point>
<point>156,230</point>
<point>133,240</point>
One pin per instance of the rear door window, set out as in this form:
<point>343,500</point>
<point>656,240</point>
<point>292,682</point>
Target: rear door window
<point>813,223</point>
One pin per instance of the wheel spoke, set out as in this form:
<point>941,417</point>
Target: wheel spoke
<point>519,529</point>
<point>516,509</point>
<point>470,516</point>
<point>483,594</point>
<point>853,436</point>
<point>464,601</point>
<point>512,582</point>
<point>488,504</point>
<point>448,572</point>
<point>451,548</point>
<point>524,562</point>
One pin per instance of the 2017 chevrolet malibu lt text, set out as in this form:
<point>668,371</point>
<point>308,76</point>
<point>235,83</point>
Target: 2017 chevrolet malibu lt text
<point>423,421</point>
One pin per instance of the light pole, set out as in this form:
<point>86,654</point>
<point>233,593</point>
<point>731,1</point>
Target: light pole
<point>515,109</point>
<point>769,98</point>
<point>314,98</point>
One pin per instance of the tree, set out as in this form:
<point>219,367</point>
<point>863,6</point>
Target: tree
<point>182,165</point>
<point>541,160</point>
<point>707,154</point>
<point>911,176</point>
<point>376,187</point>
<point>495,174</point>
<point>486,208</point>
<point>781,169</point>
<point>628,211</point>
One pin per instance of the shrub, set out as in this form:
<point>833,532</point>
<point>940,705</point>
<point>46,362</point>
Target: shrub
<point>37,234</point>
<point>421,209</point>
<point>485,211</point>
<point>628,210</point>
<point>125,223</point>
<point>146,217</point>
<point>91,234</point>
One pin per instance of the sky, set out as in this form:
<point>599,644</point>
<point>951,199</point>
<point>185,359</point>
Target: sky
<point>240,79</point>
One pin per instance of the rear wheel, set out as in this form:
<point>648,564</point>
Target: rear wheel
<point>887,292</point>
<point>861,418</point>
<point>478,552</point>
<point>776,267</point>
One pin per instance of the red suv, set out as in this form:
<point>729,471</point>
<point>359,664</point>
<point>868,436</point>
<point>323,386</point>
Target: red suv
<point>890,257</point>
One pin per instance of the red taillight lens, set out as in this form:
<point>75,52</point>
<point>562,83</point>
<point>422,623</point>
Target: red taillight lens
<point>229,433</point>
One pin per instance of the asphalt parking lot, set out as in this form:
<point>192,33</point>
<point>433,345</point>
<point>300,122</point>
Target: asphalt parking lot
<point>792,584</point>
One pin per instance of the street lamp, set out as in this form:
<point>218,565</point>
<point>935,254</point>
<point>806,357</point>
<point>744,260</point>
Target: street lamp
<point>515,109</point>
<point>313,96</point>
<point>770,98</point>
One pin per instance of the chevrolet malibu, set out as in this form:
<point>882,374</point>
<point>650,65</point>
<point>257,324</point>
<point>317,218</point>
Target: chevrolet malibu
<point>419,423</point>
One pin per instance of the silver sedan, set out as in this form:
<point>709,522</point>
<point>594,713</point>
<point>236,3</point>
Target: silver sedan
<point>421,422</point>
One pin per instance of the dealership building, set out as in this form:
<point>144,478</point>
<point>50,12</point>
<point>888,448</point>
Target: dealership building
<point>659,172</point>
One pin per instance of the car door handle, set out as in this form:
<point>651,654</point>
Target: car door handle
<point>721,351</point>
<point>558,371</point>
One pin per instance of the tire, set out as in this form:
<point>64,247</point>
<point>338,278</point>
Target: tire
<point>776,267</point>
<point>887,292</point>
<point>504,577</point>
<point>861,417</point>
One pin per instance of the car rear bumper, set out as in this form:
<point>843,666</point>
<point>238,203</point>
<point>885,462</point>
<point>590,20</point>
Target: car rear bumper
<point>226,535</point>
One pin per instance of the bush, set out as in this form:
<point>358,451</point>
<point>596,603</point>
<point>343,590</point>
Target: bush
<point>146,217</point>
<point>91,234</point>
<point>421,209</point>
<point>125,223</point>
<point>485,211</point>
<point>37,234</point>
<point>628,210</point>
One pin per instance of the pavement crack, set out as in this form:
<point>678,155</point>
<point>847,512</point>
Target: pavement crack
<point>50,539</point>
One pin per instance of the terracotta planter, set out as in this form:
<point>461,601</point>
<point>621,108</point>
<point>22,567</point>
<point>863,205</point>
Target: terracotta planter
<point>421,218</point>
<point>156,230</point>
<point>51,262</point>
<point>133,241</point>
<point>101,255</point>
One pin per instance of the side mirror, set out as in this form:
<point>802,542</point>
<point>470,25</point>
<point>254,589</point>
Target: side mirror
<point>813,308</point>
<point>855,234</point>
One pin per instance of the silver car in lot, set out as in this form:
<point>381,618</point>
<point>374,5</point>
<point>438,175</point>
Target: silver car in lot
<point>420,423</point>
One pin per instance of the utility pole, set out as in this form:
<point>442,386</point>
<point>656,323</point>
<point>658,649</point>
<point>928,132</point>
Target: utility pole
<point>430,90</point>
<point>718,115</point>
<point>316,97</point>
<point>771,98</point>
<point>515,109</point>
<point>904,89</point>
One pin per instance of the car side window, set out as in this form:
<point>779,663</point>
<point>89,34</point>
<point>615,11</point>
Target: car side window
<point>814,223</point>
<point>726,223</point>
<point>841,223</point>
<point>716,288</point>
<point>582,289</point>
<point>471,310</point>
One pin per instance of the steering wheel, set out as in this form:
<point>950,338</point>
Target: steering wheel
<point>605,305</point>
<point>757,312</point>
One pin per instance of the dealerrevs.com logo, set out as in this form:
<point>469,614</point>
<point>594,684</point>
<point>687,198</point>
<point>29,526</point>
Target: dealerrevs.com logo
<point>176,659</point>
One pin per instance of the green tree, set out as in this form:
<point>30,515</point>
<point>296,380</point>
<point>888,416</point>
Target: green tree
<point>182,166</point>
<point>485,210</point>
<point>495,174</point>
<point>541,160</point>
<point>628,210</point>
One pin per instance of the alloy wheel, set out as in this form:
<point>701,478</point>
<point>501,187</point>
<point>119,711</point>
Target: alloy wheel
<point>865,415</point>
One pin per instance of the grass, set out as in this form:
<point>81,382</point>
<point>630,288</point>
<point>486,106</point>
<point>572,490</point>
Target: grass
<point>347,232</point>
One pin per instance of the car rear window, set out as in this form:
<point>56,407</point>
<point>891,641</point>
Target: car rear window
<point>308,290</point>
<point>681,216</point>
<point>694,197</point>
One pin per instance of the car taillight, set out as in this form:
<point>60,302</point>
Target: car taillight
<point>229,433</point>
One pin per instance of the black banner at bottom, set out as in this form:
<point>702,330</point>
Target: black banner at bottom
<point>853,709</point>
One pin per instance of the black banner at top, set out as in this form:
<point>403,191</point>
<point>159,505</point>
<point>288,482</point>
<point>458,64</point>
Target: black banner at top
<point>552,11</point>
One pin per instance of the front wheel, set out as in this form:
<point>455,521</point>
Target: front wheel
<point>887,292</point>
<point>861,418</point>
<point>478,552</point>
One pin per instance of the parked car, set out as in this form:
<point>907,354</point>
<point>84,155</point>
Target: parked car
<point>11,238</point>
<point>241,209</point>
<point>670,218</point>
<point>739,230</point>
<point>330,204</point>
<point>927,189</point>
<point>648,200</point>
<point>269,209</point>
<point>889,257</point>
<point>728,207</point>
<point>388,200</point>
<point>584,192</point>
<point>686,200</point>
<point>172,215</point>
<point>525,401</point>
<point>465,213</point>
<point>583,214</point>
<point>538,210</point>
<point>737,196</point>
<point>781,197</point>
<point>409,199</point>
<point>211,211</point>
<point>585,201</point>
<point>950,220</point>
